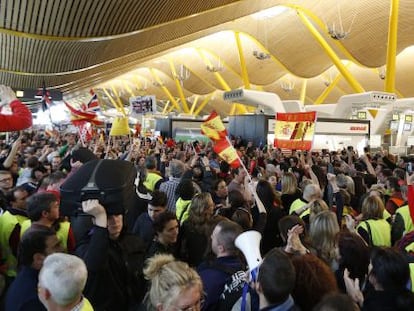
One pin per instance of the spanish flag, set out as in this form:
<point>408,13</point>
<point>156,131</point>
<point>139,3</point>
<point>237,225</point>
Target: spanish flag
<point>226,151</point>
<point>213,127</point>
<point>79,116</point>
<point>295,130</point>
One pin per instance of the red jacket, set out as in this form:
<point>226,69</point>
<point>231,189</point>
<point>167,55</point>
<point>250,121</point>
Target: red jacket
<point>20,119</point>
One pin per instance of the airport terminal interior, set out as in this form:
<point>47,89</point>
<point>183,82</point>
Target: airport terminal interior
<point>202,155</point>
<point>186,54</point>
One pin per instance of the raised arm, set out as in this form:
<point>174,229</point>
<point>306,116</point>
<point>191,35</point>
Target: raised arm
<point>20,117</point>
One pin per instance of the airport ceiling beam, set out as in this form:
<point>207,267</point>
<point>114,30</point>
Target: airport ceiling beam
<point>113,102</point>
<point>302,95</point>
<point>221,81</point>
<point>178,85</point>
<point>165,90</point>
<point>328,90</point>
<point>119,105</point>
<point>356,86</point>
<point>126,86</point>
<point>203,103</point>
<point>164,111</point>
<point>194,104</point>
<point>392,47</point>
<point>243,67</point>
<point>323,26</point>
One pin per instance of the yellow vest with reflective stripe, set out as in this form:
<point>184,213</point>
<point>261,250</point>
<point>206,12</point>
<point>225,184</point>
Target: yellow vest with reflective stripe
<point>404,211</point>
<point>297,204</point>
<point>62,234</point>
<point>386,215</point>
<point>380,231</point>
<point>182,209</point>
<point>8,222</point>
<point>151,181</point>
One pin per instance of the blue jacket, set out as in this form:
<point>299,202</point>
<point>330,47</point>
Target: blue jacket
<point>214,278</point>
<point>144,228</point>
<point>22,293</point>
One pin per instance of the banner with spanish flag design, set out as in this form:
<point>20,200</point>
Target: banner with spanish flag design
<point>295,131</point>
<point>226,151</point>
<point>213,127</point>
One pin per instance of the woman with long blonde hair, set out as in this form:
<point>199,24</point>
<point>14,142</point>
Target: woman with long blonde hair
<point>373,228</point>
<point>323,231</point>
<point>290,190</point>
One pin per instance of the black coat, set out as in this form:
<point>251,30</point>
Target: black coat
<point>115,277</point>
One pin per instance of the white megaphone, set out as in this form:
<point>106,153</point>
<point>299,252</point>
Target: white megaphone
<point>249,243</point>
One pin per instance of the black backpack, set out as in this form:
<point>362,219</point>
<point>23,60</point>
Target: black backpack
<point>109,181</point>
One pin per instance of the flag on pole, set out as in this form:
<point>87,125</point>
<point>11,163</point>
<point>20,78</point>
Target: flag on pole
<point>45,97</point>
<point>226,151</point>
<point>79,115</point>
<point>85,131</point>
<point>93,104</point>
<point>213,127</point>
<point>295,130</point>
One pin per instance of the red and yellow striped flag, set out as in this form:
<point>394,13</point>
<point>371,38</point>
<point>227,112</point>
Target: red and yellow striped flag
<point>226,151</point>
<point>295,130</point>
<point>213,127</point>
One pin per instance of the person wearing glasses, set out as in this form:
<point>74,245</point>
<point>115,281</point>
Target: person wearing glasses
<point>6,184</point>
<point>174,286</point>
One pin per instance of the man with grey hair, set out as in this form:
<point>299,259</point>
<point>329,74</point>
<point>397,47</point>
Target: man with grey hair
<point>177,169</point>
<point>300,206</point>
<point>61,282</point>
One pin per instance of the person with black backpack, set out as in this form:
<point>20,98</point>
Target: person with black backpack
<point>223,278</point>
<point>114,259</point>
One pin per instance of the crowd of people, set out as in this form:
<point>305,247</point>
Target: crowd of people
<point>336,228</point>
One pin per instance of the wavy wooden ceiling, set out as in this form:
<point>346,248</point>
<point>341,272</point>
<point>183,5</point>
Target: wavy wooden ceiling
<point>75,45</point>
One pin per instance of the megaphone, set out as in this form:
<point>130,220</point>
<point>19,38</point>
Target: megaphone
<point>249,243</point>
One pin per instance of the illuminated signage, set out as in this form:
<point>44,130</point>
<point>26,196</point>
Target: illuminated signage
<point>362,115</point>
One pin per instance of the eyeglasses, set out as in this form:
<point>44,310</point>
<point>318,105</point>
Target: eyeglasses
<point>196,307</point>
<point>6,179</point>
